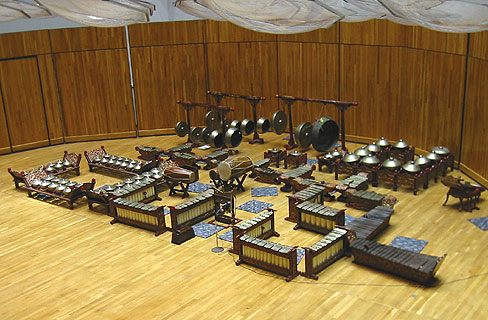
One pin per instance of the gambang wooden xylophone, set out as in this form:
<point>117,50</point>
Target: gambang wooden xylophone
<point>267,255</point>
<point>313,193</point>
<point>300,172</point>
<point>138,214</point>
<point>145,191</point>
<point>411,265</point>
<point>324,252</point>
<point>190,212</point>
<point>371,223</point>
<point>261,226</point>
<point>318,218</point>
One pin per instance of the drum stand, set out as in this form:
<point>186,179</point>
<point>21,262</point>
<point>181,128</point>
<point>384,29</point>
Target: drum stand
<point>253,100</point>
<point>217,249</point>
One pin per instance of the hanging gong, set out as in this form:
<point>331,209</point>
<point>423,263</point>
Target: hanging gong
<point>212,120</point>
<point>235,124</point>
<point>182,128</point>
<point>263,125</point>
<point>247,127</point>
<point>325,133</point>
<point>303,135</point>
<point>216,139</point>
<point>279,122</point>
<point>206,134</point>
<point>196,135</point>
<point>233,137</point>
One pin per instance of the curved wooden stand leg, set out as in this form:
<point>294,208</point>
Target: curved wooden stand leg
<point>238,262</point>
<point>447,198</point>
<point>114,221</point>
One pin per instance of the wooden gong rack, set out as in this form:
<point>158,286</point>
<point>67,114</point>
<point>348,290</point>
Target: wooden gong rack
<point>341,105</point>
<point>223,110</point>
<point>253,100</point>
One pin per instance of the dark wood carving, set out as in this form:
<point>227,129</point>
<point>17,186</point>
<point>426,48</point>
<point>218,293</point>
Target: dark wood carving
<point>463,191</point>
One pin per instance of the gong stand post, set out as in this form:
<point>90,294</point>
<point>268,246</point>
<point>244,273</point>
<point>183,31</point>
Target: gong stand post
<point>342,106</point>
<point>288,100</point>
<point>187,105</point>
<point>253,100</point>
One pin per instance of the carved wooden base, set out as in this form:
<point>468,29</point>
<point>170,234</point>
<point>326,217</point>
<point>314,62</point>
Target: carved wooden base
<point>181,237</point>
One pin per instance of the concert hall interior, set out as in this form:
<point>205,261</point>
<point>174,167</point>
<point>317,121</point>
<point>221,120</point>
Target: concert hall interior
<point>129,89</point>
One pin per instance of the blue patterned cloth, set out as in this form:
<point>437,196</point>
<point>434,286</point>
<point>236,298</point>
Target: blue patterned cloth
<point>349,219</point>
<point>205,230</point>
<point>198,187</point>
<point>254,206</point>
<point>227,236</point>
<point>264,191</point>
<point>41,196</point>
<point>311,162</point>
<point>300,255</point>
<point>410,244</point>
<point>481,222</point>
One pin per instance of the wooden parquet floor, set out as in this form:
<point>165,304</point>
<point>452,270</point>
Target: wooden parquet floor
<point>57,263</point>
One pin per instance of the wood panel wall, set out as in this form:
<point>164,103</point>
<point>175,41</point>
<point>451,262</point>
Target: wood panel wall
<point>475,149</point>
<point>94,88</point>
<point>408,81</point>
<point>4,134</point>
<point>162,76</point>
<point>23,103</point>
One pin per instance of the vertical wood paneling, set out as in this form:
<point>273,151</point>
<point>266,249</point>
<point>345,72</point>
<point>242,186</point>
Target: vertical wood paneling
<point>163,75</point>
<point>90,38</point>
<point>386,33</point>
<point>246,69</point>
<point>166,33</point>
<point>427,39</point>
<point>95,94</point>
<point>376,32</point>
<point>329,35</point>
<point>475,133</point>
<point>51,98</point>
<point>403,93</point>
<point>309,70</point>
<point>24,44</point>
<point>4,141</point>
<point>23,102</point>
<point>479,45</point>
<point>218,31</point>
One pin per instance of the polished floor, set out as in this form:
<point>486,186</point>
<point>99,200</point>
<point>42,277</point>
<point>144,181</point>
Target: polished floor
<point>57,263</point>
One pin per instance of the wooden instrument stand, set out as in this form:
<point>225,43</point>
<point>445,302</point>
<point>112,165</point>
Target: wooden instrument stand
<point>253,100</point>
<point>341,105</point>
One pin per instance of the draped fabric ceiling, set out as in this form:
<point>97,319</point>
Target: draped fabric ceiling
<point>270,16</point>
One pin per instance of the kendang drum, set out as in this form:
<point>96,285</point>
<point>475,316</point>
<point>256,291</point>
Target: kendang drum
<point>179,174</point>
<point>235,167</point>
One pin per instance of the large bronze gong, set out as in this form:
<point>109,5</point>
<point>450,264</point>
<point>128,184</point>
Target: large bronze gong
<point>325,133</point>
